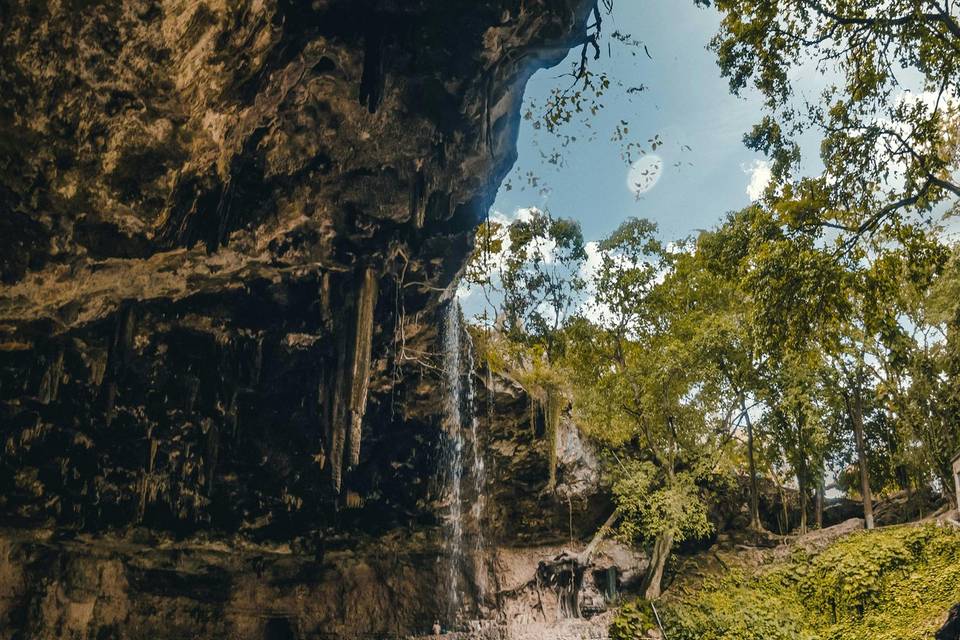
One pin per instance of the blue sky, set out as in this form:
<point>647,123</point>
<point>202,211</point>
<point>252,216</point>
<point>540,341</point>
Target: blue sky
<point>686,102</point>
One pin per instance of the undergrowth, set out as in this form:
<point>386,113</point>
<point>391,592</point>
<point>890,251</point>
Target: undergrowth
<point>890,584</point>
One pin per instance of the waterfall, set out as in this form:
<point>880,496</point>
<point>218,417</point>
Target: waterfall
<point>479,475</point>
<point>462,467</point>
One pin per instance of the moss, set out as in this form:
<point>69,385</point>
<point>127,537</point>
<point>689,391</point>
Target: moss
<point>889,584</point>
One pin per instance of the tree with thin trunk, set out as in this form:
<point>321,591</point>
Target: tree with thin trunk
<point>649,386</point>
<point>755,523</point>
<point>853,398</point>
<point>796,401</point>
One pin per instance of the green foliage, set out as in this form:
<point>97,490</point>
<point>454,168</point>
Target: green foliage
<point>540,279</point>
<point>732,608</point>
<point>849,579</point>
<point>649,507</point>
<point>890,584</point>
<point>529,274</point>
<point>633,620</point>
<point>650,367</point>
<point>887,112</point>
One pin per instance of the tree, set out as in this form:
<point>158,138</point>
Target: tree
<point>789,294</point>
<point>930,403</point>
<point>723,252</point>
<point>529,273</point>
<point>887,114</point>
<point>841,309</point>
<point>647,385</point>
<point>541,280</point>
<point>795,419</point>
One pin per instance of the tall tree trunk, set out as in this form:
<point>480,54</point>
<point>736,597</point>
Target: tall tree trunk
<point>754,487</point>
<point>598,537</point>
<point>658,561</point>
<point>856,417</point>
<point>784,507</point>
<point>801,482</point>
<point>819,503</point>
<point>802,469</point>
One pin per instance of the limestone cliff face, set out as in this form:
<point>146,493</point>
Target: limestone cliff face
<point>522,508</point>
<point>218,222</point>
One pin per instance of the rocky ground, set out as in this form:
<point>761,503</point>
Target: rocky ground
<point>139,586</point>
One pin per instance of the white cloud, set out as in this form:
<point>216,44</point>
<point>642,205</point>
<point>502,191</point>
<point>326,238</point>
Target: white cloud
<point>594,259</point>
<point>760,176</point>
<point>930,99</point>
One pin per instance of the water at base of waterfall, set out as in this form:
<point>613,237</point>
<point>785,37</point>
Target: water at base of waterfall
<point>462,471</point>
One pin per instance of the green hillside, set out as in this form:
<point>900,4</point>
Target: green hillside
<point>895,583</point>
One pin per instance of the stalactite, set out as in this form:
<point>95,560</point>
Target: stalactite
<point>118,358</point>
<point>231,418</point>
<point>213,453</point>
<point>326,317</point>
<point>257,362</point>
<point>362,349</point>
<point>323,410</point>
<point>438,207</point>
<point>50,384</point>
<point>418,187</point>
<point>338,415</point>
<point>123,340</point>
<point>110,398</point>
<point>98,367</point>
<point>147,480</point>
<point>533,415</point>
<point>372,80</point>
<point>351,375</point>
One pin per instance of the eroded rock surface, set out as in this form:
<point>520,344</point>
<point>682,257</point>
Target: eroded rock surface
<point>225,228</point>
<point>524,510</point>
<point>217,219</point>
<point>112,588</point>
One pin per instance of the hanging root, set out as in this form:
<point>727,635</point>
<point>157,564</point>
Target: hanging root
<point>338,414</point>
<point>552,415</point>
<point>360,371</point>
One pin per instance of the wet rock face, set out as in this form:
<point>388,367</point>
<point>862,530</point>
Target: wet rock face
<point>218,222</point>
<point>522,508</point>
<point>121,589</point>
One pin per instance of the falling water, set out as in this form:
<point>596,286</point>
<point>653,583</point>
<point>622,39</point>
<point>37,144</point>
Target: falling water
<point>478,473</point>
<point>462,465</point>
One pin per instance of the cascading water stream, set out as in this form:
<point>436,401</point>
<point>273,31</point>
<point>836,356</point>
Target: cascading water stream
<point>462,468</point>
<point>478,472</point>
